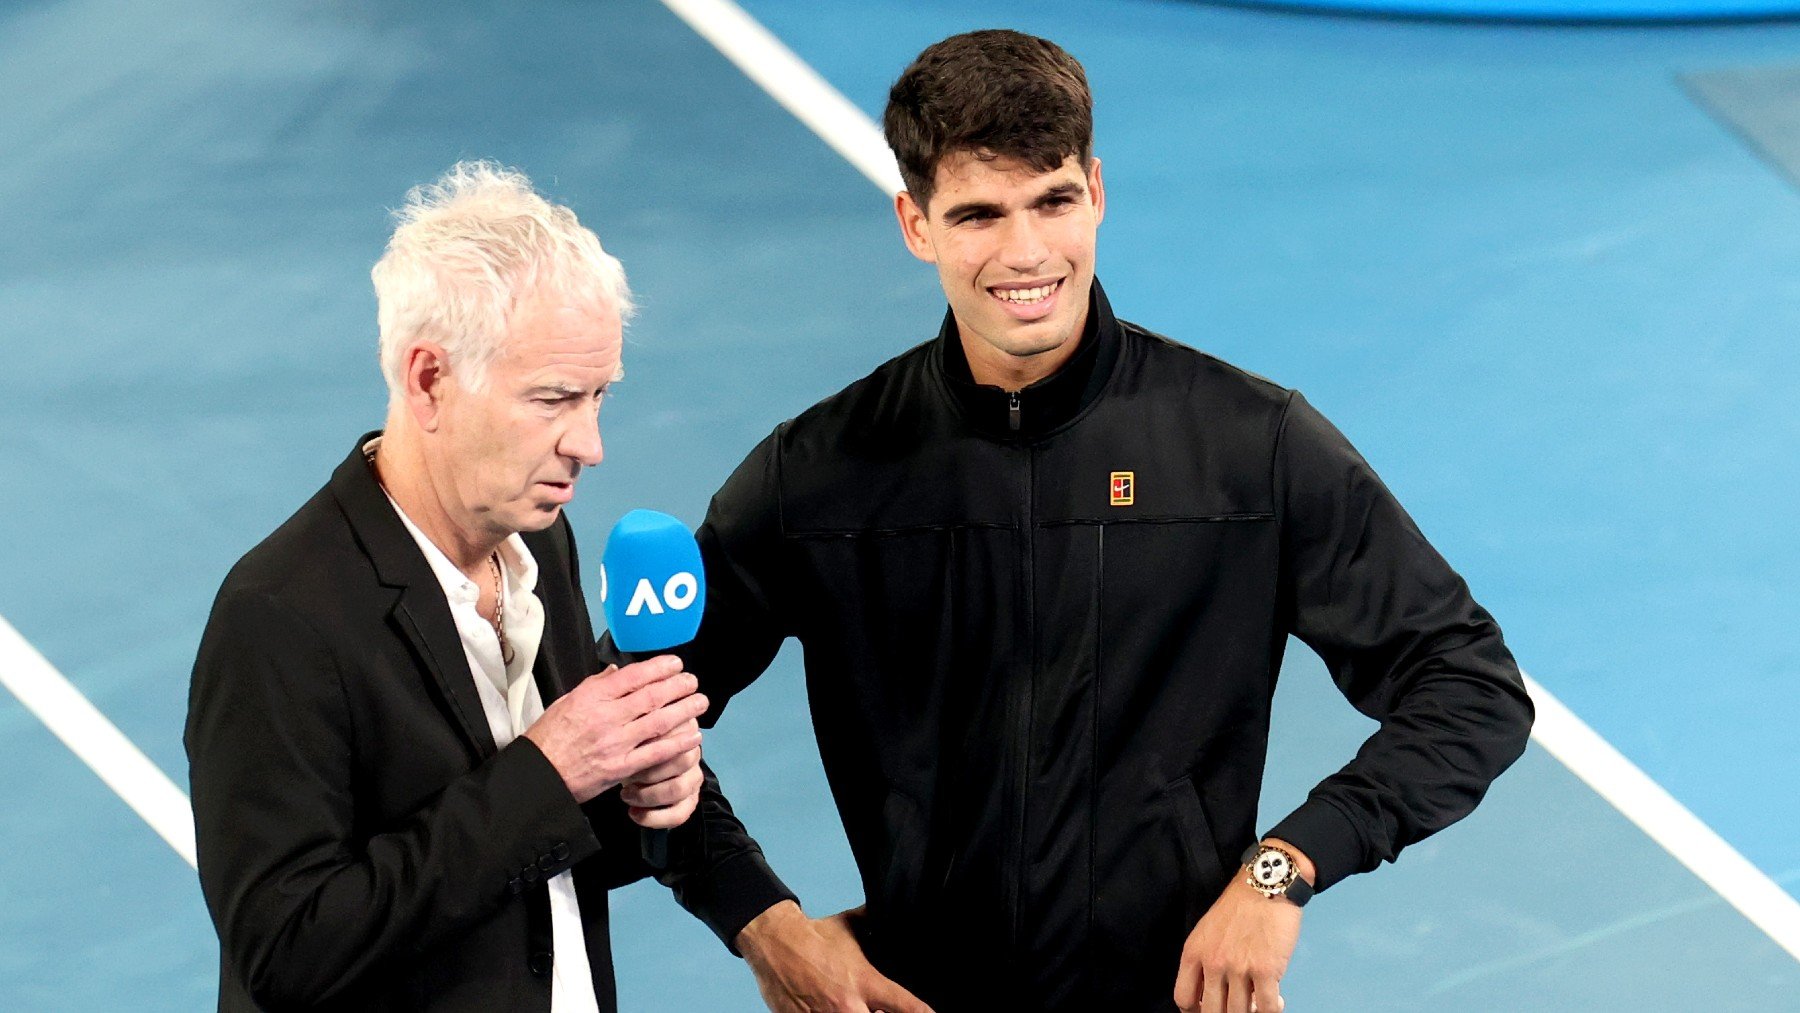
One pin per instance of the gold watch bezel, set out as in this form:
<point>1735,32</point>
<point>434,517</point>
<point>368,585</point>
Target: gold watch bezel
<point>1279,889</point>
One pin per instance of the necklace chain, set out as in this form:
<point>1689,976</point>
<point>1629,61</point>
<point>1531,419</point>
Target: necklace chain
<point>506,651</point>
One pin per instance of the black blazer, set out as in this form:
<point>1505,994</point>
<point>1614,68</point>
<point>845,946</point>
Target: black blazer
<point>362,843</point>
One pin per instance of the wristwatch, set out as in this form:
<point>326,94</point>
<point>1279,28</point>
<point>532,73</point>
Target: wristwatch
<point>1274,873</point>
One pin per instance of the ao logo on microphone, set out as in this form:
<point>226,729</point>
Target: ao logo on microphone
<point>652,584</point>
<point>679,592</point>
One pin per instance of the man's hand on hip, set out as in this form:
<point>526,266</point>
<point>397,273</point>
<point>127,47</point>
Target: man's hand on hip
<point>620,724</point>
<point>807,965</point>
<point>1235,958</point>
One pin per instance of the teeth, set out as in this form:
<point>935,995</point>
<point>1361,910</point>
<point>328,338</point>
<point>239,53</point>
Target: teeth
<point>1024,295</point>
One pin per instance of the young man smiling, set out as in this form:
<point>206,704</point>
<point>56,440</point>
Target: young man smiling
<point>1044,567</point>
<point>1014,247</point>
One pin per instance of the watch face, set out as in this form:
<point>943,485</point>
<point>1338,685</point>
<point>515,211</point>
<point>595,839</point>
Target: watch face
<point>1271,869</point>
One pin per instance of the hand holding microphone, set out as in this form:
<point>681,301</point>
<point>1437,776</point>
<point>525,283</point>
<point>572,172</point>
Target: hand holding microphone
<point>620,723</point>
<point>638,726</point>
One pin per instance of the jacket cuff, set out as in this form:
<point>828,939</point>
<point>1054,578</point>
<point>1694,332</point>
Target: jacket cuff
<point>1327,836</point>
<point>731,895</point>
<point>557,832</point>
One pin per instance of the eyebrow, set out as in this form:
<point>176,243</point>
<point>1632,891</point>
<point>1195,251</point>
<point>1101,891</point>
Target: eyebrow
<point>971,207</point>
<point>566,390</point>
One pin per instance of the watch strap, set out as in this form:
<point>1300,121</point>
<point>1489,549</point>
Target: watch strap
<point>1299,891</point>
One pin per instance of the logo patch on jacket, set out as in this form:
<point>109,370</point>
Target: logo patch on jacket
<point>1123,487</point>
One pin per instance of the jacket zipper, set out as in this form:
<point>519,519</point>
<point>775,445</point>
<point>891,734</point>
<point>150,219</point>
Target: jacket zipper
<point>1025,697</point>
<point>1012,410</point>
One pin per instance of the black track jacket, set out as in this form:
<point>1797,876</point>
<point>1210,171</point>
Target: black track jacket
<point>1041,635</point>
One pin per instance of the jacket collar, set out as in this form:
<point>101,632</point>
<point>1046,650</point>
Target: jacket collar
<point>421,614</point>
<point>1046,405</point>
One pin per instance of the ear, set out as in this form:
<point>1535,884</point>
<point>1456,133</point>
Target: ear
<point>1098,190</point>
<point>424,375</point>
<point>913,227</point>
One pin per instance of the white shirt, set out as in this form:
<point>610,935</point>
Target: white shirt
<point>511,702</point>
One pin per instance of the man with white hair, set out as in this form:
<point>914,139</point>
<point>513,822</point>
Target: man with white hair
<point>410,789</point>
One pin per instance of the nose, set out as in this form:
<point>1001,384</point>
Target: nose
<point>581,440</point>
<point>1023,247</point>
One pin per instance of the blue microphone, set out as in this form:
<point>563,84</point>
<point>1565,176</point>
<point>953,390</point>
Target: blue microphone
<point>651,582</point>
<point>653,589</point>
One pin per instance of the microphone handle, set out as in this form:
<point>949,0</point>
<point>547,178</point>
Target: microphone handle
<point>653,845</point>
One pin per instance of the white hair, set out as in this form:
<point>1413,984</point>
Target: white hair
<point>467,249</point>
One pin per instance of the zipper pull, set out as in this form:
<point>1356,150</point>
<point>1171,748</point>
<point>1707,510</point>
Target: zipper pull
<point>1012,410</point>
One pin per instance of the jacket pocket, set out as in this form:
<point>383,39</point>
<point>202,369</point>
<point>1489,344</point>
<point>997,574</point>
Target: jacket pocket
<point>893,885</point>
<point>896,884</point>
<point>1203,875</point>
<point>906,844</point>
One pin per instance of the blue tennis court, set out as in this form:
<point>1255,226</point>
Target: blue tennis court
<point>1543,276</point>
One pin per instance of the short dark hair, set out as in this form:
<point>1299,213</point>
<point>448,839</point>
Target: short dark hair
<point>993,93</point>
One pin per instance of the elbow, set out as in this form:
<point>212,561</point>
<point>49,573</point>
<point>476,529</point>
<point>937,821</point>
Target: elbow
<point>275,993</point>
<point>287,984</point>
<point>1524,718</point>
<point>275,980</point>
<point>284,965</point>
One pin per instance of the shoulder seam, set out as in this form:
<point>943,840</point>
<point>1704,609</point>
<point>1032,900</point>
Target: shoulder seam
<point>1275,453</point>
<point>1141,331</point>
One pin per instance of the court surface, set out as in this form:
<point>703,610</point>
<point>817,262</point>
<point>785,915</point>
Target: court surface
<point>1545,292</point>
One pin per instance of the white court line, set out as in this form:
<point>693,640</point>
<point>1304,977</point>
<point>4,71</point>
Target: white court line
<point>46,693</point>
<point>1668,822</point>
<point>852,134</point>
<point>790,81</point>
